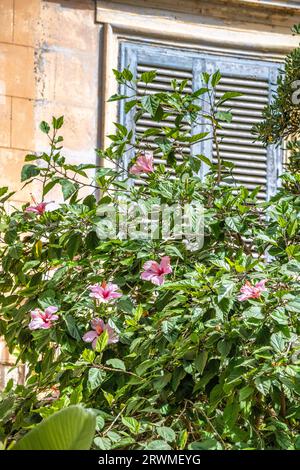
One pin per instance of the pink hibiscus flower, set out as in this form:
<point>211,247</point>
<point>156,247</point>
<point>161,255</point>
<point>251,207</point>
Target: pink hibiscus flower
<point>43,320</point>
<point>252,292</point>
<point>143,164</point>
<point>155,272</point>
<point>98,327</point>
<point>105,292</point>
<point>38,208</point>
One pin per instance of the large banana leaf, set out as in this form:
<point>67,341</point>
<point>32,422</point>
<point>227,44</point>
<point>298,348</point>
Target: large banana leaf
<point>72,428</point>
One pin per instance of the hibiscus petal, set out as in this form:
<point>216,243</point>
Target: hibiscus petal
<point>36,324</point>
<point>261,284</point>
<point>158,280</point>
<point>147,275</point>
<point>90,336</point>
<point>97,322</point>
<point>151,266</point>
<point>51,309</point>
<point>165,265</point>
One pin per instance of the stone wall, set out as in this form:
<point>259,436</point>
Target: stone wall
<point>49,60</point>
<point>17,86</point>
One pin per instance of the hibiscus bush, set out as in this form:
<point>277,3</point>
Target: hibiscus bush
<point>173,346</point>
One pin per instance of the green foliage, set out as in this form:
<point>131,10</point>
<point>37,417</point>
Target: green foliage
<point>194,367</point>
<point>72,428</point>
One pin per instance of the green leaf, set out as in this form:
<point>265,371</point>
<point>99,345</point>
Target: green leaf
<point>150,103</point>
<point>204,159</point>
<point>277,342</point>
<point>71,428</point>
<point>200,361</point>
<point>199,92</point>
<point>234,223</point>
<point>263,385</point>
<point>198,137</point>
<point>30,158</point>
<point>100,423</point>
<point>216,78</point>
<point>224,347</point>
<point>226,290</point>
<point>102,443</point>
<point>57,122</point>
<point>245,392</point>
<point>102,341</point>
<point>183,437</point>
<point>117,97</point>
<point>95,378</point>
<point>207,444</point>
<point>73,244</point>
<point>279,316</point>
<point>88,355</point>
<point>160,383</point>
<point>166,433</point>
<point>206,77</point>
<point>68,188</point>
<point>129,105</point>
<point>132,424</point>
<point>148,77</point>
<point>224,116</point>
<point>158,445</point>
<point>44,127</point>
<point>29,171</point>
<point>228,95</point>
<point>116,364</point>
<point>49,186</point>
<point>72,327</point>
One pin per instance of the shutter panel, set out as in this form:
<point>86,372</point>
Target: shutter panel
<point>169,65</point>
<point>237,146</point>
<point>162,82</point>
<point>254,165</point>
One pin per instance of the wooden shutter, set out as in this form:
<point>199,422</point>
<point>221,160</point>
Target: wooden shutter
<point>170,64</point>
<point>254,165</point>
<point>162,82</point>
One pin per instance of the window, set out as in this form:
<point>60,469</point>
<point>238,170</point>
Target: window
<point>256,79</point>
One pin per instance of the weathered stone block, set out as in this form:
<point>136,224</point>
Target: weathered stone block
<point>22,130</point>
<point>5,121</point>
<point>26,13</point>
<point>6,20</point>
<point>16,70</point>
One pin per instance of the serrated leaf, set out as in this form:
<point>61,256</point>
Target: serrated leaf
<point>166,433</point>
<point>200,361</point>
<point>226,290</point>
<point>29,171</point>
<point>132,424</point>
<point>44,127</point>
<point>95,378</point>
<point>116,364</point>
<point>158,445</point>
<point>150,103</point>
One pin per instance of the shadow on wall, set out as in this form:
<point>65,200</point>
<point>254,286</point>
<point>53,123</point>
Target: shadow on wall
<point>78,4</point>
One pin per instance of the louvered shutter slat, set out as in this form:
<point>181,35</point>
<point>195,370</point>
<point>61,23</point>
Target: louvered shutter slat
<point>161,83</point>
<point>254,165</point>
<point>237,143</point>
